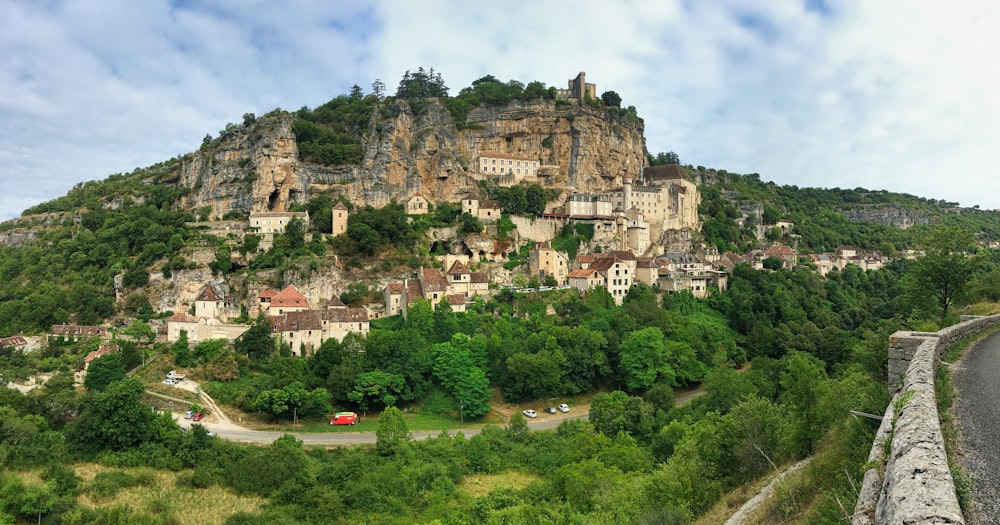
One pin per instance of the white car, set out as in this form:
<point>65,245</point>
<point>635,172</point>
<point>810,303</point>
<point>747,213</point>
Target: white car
<point>169,381</point>
<point>564,407</point>
<point>529,413</point>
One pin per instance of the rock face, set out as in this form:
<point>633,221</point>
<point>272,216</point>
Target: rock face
<point>256,167</point>
<point>887,216</point>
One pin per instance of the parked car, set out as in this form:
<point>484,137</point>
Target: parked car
<point>188,415</point>
<point>344,418</point>
<point>564,407</point>
<point>196,417</point>
<point>529,413</point>
<point>550,410</point>
<point>169,381</point>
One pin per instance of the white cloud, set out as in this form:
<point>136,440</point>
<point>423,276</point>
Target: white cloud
<point>896,94</point>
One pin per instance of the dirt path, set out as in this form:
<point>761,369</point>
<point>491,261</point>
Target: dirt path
<point>741,515</point>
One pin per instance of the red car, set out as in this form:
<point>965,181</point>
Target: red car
<point>196,417</point>
<point>344,418</point>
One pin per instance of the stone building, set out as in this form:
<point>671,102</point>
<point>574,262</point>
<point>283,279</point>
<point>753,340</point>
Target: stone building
<point>272,223</point>
<point>578,88</point>
<point>339,218</point>
<point>543,261</point>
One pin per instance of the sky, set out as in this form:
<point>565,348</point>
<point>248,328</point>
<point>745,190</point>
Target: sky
<point>897,95</point>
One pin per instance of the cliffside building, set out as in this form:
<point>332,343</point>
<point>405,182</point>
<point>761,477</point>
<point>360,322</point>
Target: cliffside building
<point>578,88</point>
<point>272,223</point>
<point>339,219</point>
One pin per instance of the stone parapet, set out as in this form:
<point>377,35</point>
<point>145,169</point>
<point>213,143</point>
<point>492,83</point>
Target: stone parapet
<point>915,485</point>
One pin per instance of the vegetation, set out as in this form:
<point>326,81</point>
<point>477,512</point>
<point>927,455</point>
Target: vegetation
<point>781,355</point>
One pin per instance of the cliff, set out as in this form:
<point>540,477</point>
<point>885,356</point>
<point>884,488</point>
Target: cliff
<point>256,167</point>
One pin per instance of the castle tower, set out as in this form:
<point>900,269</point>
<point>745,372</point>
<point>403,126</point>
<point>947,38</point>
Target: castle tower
<point>627,194</point>
<point>339,221</point>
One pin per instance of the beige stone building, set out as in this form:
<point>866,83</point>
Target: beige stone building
<point>417,205</point>
<point>339,218</point>
<point>272,223</point>
<point>543,261</point>
<point>578,88</point>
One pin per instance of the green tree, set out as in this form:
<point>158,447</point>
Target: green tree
<point>256,343</point>
<point>378,386</point>
<point>391,435</point>
<point>644,360</point>
<point>454,366</point>
<point>946,266</point>
<point>141,332</point>
<point>469,224</point>
<point>104,371</point>
<point>611,99</point>
<point>115,418</point>
<point>181,350</point>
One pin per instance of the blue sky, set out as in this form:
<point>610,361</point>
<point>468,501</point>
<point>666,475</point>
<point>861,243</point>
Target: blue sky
<point>893,94</point>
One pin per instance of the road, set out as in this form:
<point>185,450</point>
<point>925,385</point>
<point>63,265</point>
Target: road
<point>977,416</point>
<point>226,429</point>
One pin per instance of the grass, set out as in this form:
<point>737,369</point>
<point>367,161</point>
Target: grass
<point>158,494</point>
<point>478,485</point>
<point>732,502</point>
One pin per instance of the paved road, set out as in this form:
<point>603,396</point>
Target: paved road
<point>977,415</point>
<point>226,429</point>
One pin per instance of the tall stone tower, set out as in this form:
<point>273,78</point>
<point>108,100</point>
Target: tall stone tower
<point>339,221</point>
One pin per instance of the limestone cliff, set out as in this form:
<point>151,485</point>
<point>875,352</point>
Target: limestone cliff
<point>256,167</point>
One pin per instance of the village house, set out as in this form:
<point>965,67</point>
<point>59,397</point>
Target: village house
<point>211,303</point>
<point>75,332</point>
<point>543,261</point>
<point>272,223</point>
<point>17,342</point>
<point>277,303</point>
<point>618,270</point>
<point>417,205</point>
<point>106,349</point>
<point>507,164</point>
<point>201,328</point>
<point>584,279</point>
<point>339,218</point>
<point>784,253</point>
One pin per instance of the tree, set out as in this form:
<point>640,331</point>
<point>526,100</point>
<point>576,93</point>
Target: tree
<point>381,387</point>
<point>378,89</point>
<point>256,343</point>
<point>469,224</point>
<point>945,267</point>
<point>454,366</point>
<point>103,371</point>
<point>611,99</point>
<point>141,332</point>
<point>116,418</point>
<point>391,435</point>
<point>644,359</point>
<point>249,118</point>
<point>181,350</point>
<point>421,84</point>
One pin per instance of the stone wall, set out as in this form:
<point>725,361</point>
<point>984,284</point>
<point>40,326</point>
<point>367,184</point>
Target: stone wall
<point>915,485</point>
<point>538,230</point>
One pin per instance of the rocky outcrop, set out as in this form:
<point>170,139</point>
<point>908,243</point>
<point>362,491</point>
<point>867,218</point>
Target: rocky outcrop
<point>256,167</point>
<point>887,216</point>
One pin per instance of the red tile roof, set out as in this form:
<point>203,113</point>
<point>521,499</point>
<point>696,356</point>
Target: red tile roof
<point>289,298</point>
<point>181,317</point>
<point>480,277</point>
<point>77,330</point>
<point>346,315</point>
<point>432,281</point>
<point>209,293</point>
<point>457,268</point>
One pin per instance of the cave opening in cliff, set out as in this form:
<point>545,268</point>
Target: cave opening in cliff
<point>272,199</point>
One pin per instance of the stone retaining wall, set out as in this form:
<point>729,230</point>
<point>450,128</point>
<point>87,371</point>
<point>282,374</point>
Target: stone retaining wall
<point>915,485</point>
